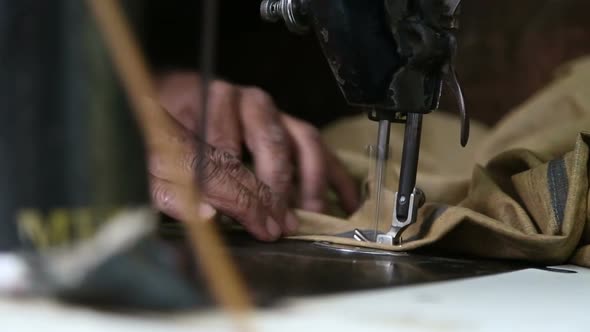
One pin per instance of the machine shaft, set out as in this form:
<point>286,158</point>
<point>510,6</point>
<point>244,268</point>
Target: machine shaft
<point>409,165</point>
<point>407,199</point>
<point>381,157</point>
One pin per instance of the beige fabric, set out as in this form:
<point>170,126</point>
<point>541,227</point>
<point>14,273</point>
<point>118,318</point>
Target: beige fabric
<point>518,191</point>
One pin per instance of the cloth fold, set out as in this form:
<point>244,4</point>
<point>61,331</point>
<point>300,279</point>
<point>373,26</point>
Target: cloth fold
<point>518,191</point>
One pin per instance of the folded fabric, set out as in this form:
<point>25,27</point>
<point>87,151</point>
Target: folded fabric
<point>518,191</point>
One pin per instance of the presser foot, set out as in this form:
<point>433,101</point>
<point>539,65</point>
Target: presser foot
<point>393,237</point>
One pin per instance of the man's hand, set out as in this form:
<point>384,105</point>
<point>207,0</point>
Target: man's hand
<point>245,116</point>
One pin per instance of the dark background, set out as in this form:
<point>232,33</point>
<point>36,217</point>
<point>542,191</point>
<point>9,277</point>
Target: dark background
<point>508,50</point>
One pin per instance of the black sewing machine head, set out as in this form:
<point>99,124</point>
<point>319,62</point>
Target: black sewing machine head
<point>388,56</point>
<point>391,58</point>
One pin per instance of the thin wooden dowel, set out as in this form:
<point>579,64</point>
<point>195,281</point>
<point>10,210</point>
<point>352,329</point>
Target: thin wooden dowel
<point>214,259</point>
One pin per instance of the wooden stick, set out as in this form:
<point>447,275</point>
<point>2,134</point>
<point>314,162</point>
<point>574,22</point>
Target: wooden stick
<point>222,277</point>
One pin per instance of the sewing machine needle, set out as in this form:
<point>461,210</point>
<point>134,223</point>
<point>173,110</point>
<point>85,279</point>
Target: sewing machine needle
<point>381,157</point>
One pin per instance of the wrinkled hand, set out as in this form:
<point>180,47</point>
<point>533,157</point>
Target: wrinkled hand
<point>244,116</point>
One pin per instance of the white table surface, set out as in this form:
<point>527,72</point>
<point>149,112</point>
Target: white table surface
<point>528,300</point>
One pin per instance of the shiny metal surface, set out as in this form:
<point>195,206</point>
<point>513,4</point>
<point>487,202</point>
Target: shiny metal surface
<point>357,250</point>
<point>393,237</point>
<point>381,158</point>
<point>296,268</point>
<point>286,10</point>
<point>359,236</point>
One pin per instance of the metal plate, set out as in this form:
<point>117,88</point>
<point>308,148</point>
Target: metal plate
<point>296,268</point>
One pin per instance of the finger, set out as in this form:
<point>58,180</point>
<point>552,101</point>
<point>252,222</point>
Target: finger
<point>320,167</point>
<point>343,183</point>
<point>176,161</point>
<point>174,158</point>
<point>311,162</point>
<point>164,197</point>
<point>233,189</point>
<point>169,199</point>
<point>268,141</point>
<point>225,184</point>
<point>180,95</point>
<point>223,119</point>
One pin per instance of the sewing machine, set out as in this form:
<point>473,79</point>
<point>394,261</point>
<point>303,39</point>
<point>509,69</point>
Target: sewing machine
<point>390,58</point>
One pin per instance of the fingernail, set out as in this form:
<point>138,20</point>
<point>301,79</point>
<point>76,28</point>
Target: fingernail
<point>206,211</point>
<point>291,222</point>
<point>273,228</point>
